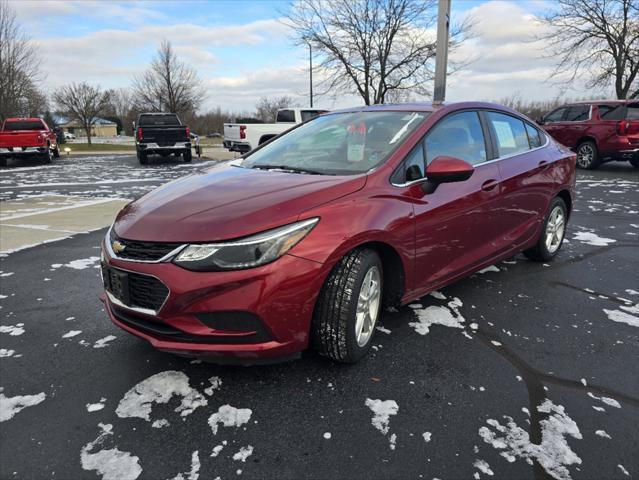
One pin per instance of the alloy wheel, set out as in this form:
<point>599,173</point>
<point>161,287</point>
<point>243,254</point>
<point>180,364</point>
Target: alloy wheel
<point>368,304</point>
<point>585,155</point>
<point>555,229</point>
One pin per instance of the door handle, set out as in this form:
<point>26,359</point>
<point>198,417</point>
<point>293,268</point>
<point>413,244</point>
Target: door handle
<point>543,163</point>
<point>488,185</point>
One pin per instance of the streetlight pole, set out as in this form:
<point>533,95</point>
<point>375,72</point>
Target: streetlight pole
<point>441,53</point>
<point>310,62</point>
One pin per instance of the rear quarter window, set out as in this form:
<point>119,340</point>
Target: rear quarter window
<point>285,116</point>
<point>611,111</point>
<point>535,137</point>
<point>632,112</point>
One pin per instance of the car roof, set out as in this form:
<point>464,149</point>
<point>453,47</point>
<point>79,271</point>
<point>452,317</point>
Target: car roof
<point>23,119</point>
<point>425,107</point>
<point>598,102</point>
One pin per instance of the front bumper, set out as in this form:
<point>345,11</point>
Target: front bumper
<point>245,316</point>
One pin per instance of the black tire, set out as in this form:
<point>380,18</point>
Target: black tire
<point>588,155</point>
<point>143,158</point>
<point>4,161</point>
<point>634,162</point>
<point>187,156</point>
<point>334,319</point>
<point>56,152</point>
<point>541,252</point>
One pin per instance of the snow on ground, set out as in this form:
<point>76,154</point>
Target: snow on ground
<point>194,473</point>
<point>382,410</point>
<point>483,467</point>
<point>9,406</point>
<point>607,400</point>
<point>4,352</point>
<point>79,264</point>
<point>602,433</point>
<point>104,342</point>
<point>592,238</point>
<point>622,317</point>
<point>492,268</point>
<point>160,388</point>
<point>216,383</point>
<point>243,454</point>
<point>229,416</point>
<point>435,315</point>
<point>553,454</point>
<point>427,436</point>
<point>111,464</point>
<point>72,333</point>
<point>94,407</point>
<point>12,330</point>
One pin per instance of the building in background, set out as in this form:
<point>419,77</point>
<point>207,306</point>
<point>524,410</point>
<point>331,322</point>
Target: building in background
<point>100,128</point>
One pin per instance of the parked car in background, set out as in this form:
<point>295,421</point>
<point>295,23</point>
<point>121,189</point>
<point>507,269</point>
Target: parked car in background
<point>307,238</point>
<point>243,137</point>
<point>598,130</point>
<point>69,136</point>
<point>27,137</point>
<point>163,134</point>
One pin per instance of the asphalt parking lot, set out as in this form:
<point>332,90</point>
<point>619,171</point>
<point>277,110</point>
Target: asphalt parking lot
<point>533,372</point>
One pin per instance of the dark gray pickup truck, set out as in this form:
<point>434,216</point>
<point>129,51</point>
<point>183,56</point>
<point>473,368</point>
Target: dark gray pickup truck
<point>163,134</point>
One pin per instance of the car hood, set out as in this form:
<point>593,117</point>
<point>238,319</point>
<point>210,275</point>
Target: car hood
<point>227,202</point>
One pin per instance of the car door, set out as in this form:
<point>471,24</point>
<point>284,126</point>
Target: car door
<point>574,124</point>
<point>454,225</point>
<point>553,123</point>
<point>525,167</point>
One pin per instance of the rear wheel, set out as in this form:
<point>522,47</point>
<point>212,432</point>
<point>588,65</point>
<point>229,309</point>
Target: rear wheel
<point>142,158</point>
<point>56,152</point>
<point>4,161</point>
<point>552,234</point>
<point>587,155</point>
<point>348,307</point>
<point>46,155</point>
<point>635,162</point>
<point>187,156</point>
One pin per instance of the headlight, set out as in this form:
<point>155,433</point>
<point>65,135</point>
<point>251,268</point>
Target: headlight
<point>248,252</point>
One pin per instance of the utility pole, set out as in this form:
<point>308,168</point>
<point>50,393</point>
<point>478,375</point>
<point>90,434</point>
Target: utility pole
<point>310,61</point>
<point>441,53</point>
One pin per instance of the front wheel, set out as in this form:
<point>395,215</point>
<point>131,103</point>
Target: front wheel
<point>587,155</point>
<point>56,152</point>
<point>348,307</point>
<point>635,162</point>
<point>552,235</point>
<point>142,158</point>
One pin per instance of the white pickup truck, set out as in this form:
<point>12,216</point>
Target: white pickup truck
<point>244,137</point>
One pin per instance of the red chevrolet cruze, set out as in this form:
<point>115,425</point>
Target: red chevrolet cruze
<point>305,239</point>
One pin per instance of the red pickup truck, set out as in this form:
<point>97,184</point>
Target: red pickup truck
<point>27,137</point>
<point>598,130</point>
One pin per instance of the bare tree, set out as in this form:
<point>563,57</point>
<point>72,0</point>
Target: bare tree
<point>83,103</point>
<point>122,107</point>
<point>19,68</point>
<point>266,108</point>
<point>371,48</point>
<point>168,84</point>
<point>596,41</point>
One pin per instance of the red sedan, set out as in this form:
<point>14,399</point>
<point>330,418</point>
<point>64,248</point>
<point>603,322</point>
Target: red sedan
<point>307,238</point>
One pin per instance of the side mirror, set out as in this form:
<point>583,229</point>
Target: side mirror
<point>133,125</point>
<point>444,169</point>
<point>540,121</point>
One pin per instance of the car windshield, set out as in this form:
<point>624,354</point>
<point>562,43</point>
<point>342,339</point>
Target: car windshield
<point>338,144</point>
<point>158,120</point>
<point>24,125</point>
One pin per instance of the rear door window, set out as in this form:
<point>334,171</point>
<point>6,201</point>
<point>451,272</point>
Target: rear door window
<point>510,133</point>
<point>285,116</point>
<point>24,125</point>
<point>556,115</point>
<point>611,111</point>
<point>577,113</point>
<point>458,135</point>
<point>632,112</point>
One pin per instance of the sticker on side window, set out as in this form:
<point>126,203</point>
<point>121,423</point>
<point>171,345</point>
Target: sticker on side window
<point>504,134</point>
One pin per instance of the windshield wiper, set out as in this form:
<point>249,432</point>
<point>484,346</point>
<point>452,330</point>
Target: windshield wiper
<point>288,168</point>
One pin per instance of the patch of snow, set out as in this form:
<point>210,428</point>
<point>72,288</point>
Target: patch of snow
<point>327,435</point>
<point>104,342</point>
<point>160,388</point>
<point>623,470</point>
<point>382,410</point>
<point>427,436</point>
<point>194,473</point>
<point>630,291</point>
<point>243,454</point>
<point>438,295</point>
<point>392,441</point>
<point>72,333</point>
<point>435,315</point>
<point>607,400</point>
<point>9,406</point>
<point>483,467</point>
<point>111,464</point>
<point>13,330</point>
<point>599,409</point>
<point>622,317</point>
<point>497,344</point>
<point>492,268</point>
<point>216,383</point>
<point>79,264</point>
<point>553,453</point>
<point>591,238</point>
<point>229,417</point>
<point>161,423</point>
<point>6,352</point>
<point>6,274</point>
<point>217,449</point>
<point>94,407</point>
<point>602,433</point>
<point>383,330</point>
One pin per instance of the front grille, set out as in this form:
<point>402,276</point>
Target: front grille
<point>145,251</point>
<point>133,289</point>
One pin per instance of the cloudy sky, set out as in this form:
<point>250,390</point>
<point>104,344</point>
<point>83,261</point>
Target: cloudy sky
<point>242,51</point>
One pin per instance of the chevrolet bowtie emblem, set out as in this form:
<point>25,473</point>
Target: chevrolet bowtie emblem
<point>117,247</point>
